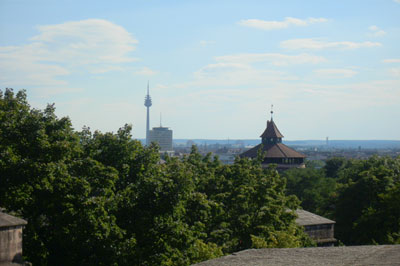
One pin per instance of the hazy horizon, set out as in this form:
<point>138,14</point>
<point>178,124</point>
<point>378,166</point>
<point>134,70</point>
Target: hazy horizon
<point>215,68</point>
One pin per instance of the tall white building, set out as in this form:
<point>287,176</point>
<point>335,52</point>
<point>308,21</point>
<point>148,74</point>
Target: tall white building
<point>162,136</point>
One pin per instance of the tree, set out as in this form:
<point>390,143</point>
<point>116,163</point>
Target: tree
<point>315,191</point>
<point>366,209</point>
<point>334,165</point>
<point>104,199</point>
<point>64,197</point>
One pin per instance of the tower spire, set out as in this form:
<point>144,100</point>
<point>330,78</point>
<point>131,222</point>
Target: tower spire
<point>272,112</point>
<point>147,103</point>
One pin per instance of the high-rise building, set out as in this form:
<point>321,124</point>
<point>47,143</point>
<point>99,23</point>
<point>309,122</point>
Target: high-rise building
<point>162,136</point>
<point>147,103</point>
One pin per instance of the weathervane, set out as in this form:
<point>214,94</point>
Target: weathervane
<point>272,111</point>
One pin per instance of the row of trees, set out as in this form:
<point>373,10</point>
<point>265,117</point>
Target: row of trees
<point>362,196</point>
<point>103,198</point>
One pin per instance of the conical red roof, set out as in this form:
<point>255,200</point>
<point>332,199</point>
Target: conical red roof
<point>271,131</point>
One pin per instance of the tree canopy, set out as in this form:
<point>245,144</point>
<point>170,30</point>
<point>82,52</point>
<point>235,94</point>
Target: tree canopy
<point>103,198</point>
<point>362,196</point>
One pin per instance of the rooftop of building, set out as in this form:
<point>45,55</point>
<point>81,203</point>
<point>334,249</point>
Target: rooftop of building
<point>7,220</point>
<point>271,131</point>
<point>352,255</point>
<point>160,128</point>
<point>272,145</point>
<point>277,150</point>
<point>308,218</point>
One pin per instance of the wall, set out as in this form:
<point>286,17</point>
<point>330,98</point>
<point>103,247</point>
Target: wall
<point>10,244</point>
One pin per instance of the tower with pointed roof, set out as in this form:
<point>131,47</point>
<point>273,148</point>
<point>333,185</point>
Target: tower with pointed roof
<point>275,152</point>
<point>147,103</point>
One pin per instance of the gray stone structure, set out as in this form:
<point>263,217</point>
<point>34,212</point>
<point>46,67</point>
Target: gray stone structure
<point>355,255</point>
<point>320,229</point>
<point>11,239</point>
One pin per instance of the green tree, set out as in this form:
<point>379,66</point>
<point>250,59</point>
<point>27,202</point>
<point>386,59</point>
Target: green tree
<point>334,165</point>
<point>366,211</point>
<point>315,191</point>
<point>63,196</point>
<point>248,200</point>
<point>103,198</point>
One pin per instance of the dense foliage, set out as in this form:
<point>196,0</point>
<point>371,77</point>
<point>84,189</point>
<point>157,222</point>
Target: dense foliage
<point>362,196</point>
<point>104,199</point>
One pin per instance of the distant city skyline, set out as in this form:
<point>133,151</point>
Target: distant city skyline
<point>330,68</point>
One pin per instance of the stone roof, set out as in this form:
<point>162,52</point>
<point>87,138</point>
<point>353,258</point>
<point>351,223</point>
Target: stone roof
<point>352,255</point>
<point>271,131</point>
<point>7,220</point>
<point>308,218</point>
<point>278,150</point>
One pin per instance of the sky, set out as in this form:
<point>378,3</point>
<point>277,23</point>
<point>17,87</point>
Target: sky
<point>329,68</point>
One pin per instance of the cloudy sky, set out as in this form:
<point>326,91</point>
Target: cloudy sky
<point>330,68</point>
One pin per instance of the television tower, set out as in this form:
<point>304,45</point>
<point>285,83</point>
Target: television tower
<point>147,103</point>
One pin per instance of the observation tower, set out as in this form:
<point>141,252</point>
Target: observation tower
<point>147,103</point>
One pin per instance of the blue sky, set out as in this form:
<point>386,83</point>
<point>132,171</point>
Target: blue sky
<point>330,68</point>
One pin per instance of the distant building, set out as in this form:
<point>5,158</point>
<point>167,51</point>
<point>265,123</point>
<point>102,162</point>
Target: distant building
<point>11,239</point>
<point>275,152</point>
<point>162,136</point>
<point>318,228</point>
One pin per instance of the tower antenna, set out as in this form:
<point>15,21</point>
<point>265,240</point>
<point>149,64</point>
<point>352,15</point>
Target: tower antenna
<point>147,103</point>
<point>272,111</point>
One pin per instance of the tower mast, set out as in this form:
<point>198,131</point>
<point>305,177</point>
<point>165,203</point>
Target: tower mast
<point>147,103</point>
<point>272,112</point>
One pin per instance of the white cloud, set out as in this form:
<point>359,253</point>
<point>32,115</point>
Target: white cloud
<point>335,72</point>
<point>391,60</point>
<point>310,43</point>
<point>373,28</point>
<point>103,69</point>
<point>85,42</point>
<point>236,74</point>
<point>20,67</point>
<point>233,71</point>
<point>395,72</point>
<point>206,43</point>
<point>159,87</point>
<point>241,86</point>
<point>93,45</point>
<point>273,58</point>
<point>371,93</point>
<point>44,92</point>
<point>145,71</point>
<point>253,95</point>
<point>396,1</point>
<point>276,25</point>
<point>375,31</point>
<point>224,67</point>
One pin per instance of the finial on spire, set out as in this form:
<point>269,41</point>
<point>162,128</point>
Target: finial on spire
<point>272,111</point>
